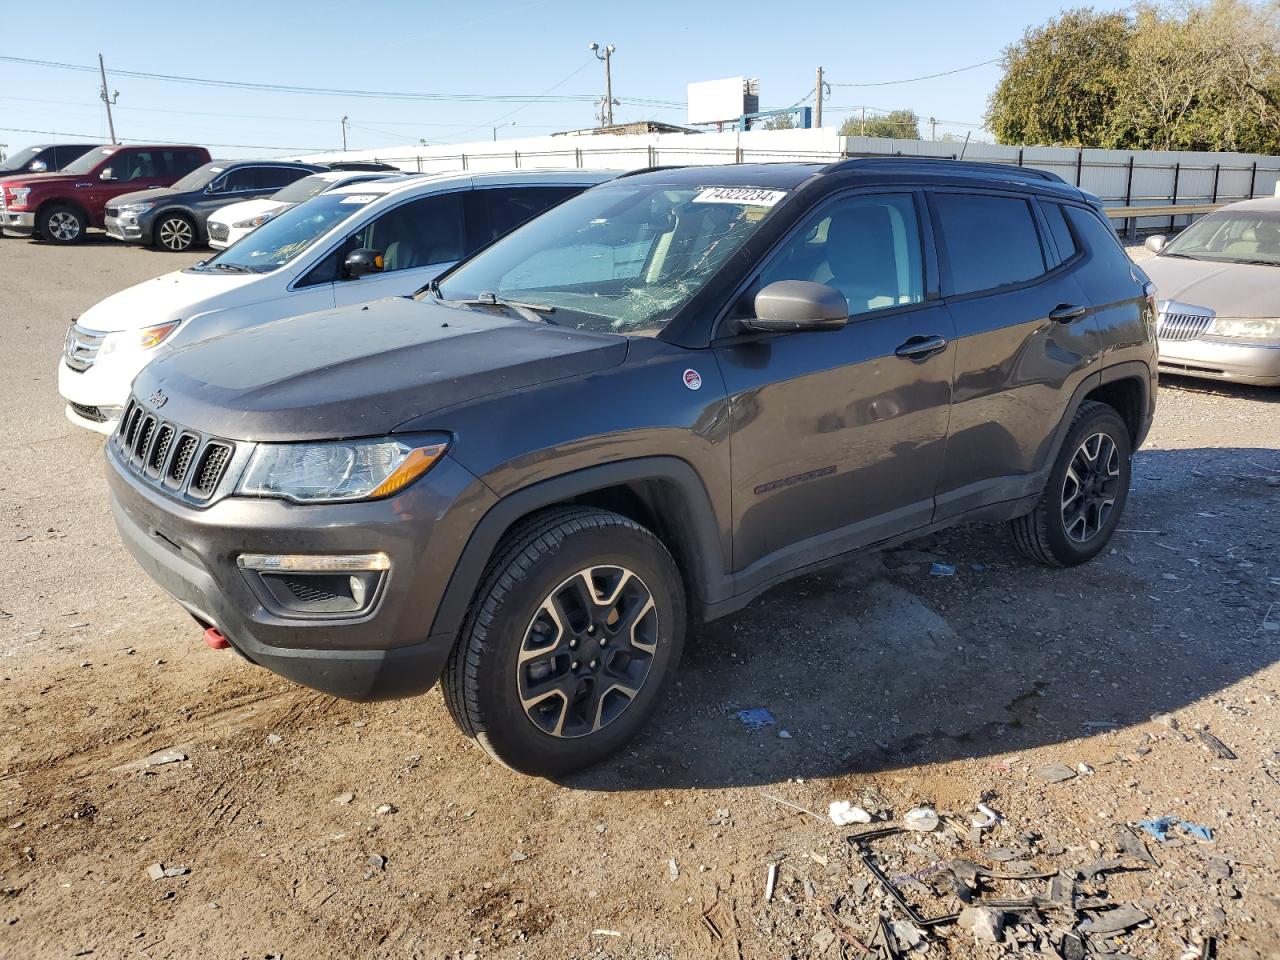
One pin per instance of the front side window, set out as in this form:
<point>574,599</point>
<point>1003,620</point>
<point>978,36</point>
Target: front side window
<point>416,234</point>
<point>621,258</point>
<point>867,247</point>
<point>989,241</point>
<point>135,165</point>
<point>284,237</point>
<point>1233,236</point>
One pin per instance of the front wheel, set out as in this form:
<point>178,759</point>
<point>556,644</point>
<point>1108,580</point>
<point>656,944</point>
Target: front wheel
<point>577,625</point>
<point>61,223</point>
<point>1085,494</point>
<point>175,232</point>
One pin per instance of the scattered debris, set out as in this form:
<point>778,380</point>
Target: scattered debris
<point>161,757</point>
<point>386,808</point>
<point>605,933</point>
<point>843,813</point>
<point>1114,921</point>
<point>274,738</point>
<point>1159,828</point>
<point>673,868</point>
<point>156,871</point>
<point>943,570</point>
<point>989,817</point>
<point>344,798</point>
<point>987,925</point>
<point>770,882</point>
<point>377,861</point>
<point>756,718</point>
<point>176,871</point>
<point>921,819</point>
<point>518,856</point>
<point>783,735</point>
<point>1055,773</point>
<point>1217,746</point>
<point>1130,844</point>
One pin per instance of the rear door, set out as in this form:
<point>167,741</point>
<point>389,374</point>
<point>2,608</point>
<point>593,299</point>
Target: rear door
<point>837,436</point>
<point>1025,338</point>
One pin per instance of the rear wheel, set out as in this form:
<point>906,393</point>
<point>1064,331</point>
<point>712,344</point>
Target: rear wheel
<point>174,232</point>
<point>61,223</point>
<point>1085,494</point>
<point>577,625</point>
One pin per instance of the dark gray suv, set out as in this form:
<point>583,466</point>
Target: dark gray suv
<point>650,404</point>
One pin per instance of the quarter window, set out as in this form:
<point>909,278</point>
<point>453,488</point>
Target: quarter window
<point>1099,238</point>
<point>867,247</point>
<point>989,241</point>
<point>1061,232</point>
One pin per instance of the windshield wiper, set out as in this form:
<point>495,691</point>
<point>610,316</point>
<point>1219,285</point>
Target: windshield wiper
<point>228,267</point>
<point>1262,263</point>
<point>535,312</point>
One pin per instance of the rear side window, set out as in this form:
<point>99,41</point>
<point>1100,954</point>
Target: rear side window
<point>273,178</point>
<point>1057,221</point>
<point>989,241</point>
<point>1098,237</point>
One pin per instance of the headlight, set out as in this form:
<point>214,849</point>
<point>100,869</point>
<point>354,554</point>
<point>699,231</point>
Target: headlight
<point>133,209</point>
<point>19,195</point>
<point>336,471</point>
<point>257,221</point>
<point>1245,328</point>
<point>143,339</point>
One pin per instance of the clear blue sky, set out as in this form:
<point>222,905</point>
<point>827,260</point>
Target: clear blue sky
<point>487,47</point>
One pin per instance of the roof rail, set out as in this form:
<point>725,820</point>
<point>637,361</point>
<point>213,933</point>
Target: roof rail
<point>640,170</point>
<point>975,166</point>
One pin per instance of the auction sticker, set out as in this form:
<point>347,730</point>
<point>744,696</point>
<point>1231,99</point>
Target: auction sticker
<point>358,198</point>
<point>692,379</point>
<point>743,196</point>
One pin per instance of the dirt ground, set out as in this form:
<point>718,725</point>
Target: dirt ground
<point>300,826</point>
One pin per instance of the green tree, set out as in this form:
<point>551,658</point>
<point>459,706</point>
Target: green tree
<point>903,124</point>
<point>1062,80</point>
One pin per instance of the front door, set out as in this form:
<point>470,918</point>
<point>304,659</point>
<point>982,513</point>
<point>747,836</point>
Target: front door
<point>837,436</point>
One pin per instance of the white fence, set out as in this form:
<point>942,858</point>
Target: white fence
<point>1121,178</point>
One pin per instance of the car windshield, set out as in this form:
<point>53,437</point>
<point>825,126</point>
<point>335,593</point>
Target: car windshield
<point>87,161</point>
<point>281,239</point>
<point>622,258</point>
<point>19,160</point>
<point>1242,236</point>
<point>199,178</point>
<point>304,189</point>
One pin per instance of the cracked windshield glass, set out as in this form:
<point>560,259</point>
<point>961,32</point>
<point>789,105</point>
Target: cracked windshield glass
<point>617,259</point>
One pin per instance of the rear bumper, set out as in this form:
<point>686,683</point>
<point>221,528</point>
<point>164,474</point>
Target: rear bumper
<point>1254,363</point>
<point>17,223</point>
<point>381,653</point>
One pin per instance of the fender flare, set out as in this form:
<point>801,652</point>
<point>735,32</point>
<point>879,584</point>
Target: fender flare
<point>697,529</point>
<point>1128,370</point>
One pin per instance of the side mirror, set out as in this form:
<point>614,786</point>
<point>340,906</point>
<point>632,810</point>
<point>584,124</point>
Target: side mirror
<point>38,166</point>
<point>107,174</point>
<point>1156,242</point>
<point>363,261</point>
<point>797,306</point>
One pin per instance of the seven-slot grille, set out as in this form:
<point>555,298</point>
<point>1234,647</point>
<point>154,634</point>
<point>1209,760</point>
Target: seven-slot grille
<point>169,456</point>
<point>1181,326</point>
<point>82,346</point>
<point>218,231</point>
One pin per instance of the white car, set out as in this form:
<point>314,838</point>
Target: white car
<point>229,224</point>
<point>350,245</point>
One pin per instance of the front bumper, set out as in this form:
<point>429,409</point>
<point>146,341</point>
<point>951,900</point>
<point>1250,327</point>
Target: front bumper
<point>1254,363</point>
<point>104,386</point>
<point>122,229</point>
<point>17,223</point>
<point>379,654</point>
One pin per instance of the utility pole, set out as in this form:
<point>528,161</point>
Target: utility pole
<point>107,99</point>
<point>509,123</point>
<point>604,53</point>
<point>862,123</point>
<point>344,134</point>
<point>933,128</point>
<point>818,110</point>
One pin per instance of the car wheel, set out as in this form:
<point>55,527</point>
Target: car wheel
<point>577,625</point>
<point>1085,494</point>
<point>61,223</point>
<point>175,232</point>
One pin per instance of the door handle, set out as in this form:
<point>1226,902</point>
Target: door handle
<point>921,348</point>
<point>1066,312</point>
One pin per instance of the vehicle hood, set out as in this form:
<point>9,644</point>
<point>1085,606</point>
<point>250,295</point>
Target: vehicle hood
<point>180,295</point>
<point>1228,289</point>
<point>46,178</point>
<point>245,209</point>
<point>362,371</point>
<point>16,176</point>
<point>143,196</point>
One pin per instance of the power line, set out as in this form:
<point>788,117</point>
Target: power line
<point>178,143</point>
<point>929,76</point>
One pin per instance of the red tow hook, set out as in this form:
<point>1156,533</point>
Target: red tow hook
<point>216,641</point>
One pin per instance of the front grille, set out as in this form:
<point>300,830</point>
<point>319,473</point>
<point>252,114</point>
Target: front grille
<point>92,414</point>
<point>219,231</point>
<point>81,347</point>
<point>1181,326</point>
<point>182,462</point>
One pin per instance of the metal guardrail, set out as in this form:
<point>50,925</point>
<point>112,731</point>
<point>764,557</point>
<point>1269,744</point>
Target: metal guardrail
<point>1170,210</point>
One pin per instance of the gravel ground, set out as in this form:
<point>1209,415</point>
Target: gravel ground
<point>302,826</point>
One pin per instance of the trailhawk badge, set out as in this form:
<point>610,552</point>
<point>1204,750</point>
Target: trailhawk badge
<point>692,379</point>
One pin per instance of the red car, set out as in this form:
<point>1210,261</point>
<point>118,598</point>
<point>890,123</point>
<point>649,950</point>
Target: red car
<point>59,207</point>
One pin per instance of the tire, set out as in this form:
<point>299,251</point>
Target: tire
<point>174,232</point>
<point>61,223</point>
<point>519,679</point>
<point>1085,494</point>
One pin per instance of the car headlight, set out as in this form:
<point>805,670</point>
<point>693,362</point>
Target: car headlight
<point>19,195</point>
<point>143,339</point>
<point>1245,328</point>
<point>133,209</point>
<point>335,471</point>
<point>252,222</point>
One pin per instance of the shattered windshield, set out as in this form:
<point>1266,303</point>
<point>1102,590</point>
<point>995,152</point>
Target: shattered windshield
<point>622,258</point>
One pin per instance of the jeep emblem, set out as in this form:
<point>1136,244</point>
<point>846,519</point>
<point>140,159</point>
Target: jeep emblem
<point>158,399</point>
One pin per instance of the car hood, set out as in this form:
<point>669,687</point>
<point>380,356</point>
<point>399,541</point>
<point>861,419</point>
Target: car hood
<point>245,209</point>
<point>49,177</point>
<point>143,196</point>
<point>1228,289</point>
<point>362,371</point>
<point>180,295</point>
